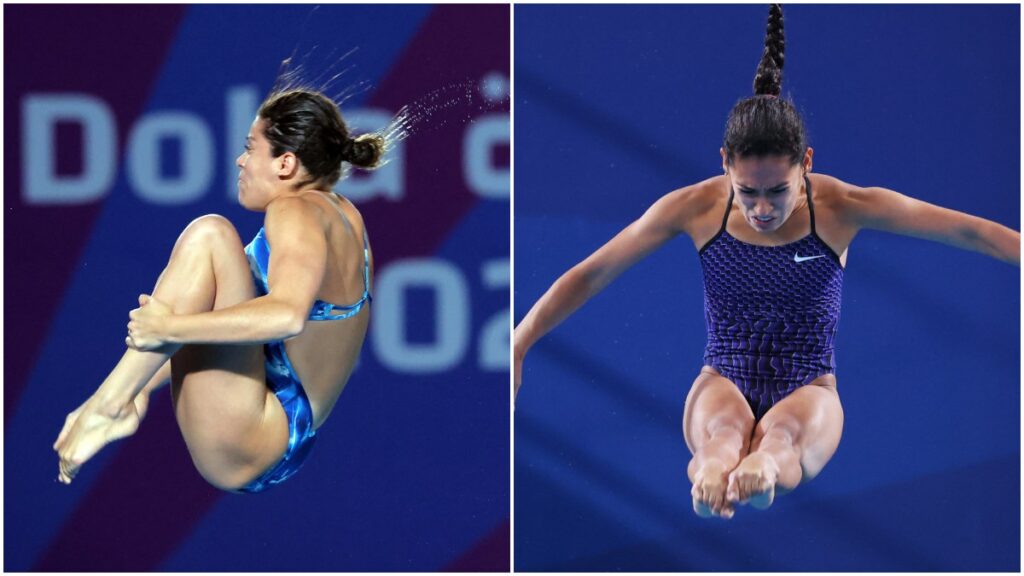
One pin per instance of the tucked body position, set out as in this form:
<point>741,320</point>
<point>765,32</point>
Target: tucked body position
<point>763,415</point>
<point>259,340</point>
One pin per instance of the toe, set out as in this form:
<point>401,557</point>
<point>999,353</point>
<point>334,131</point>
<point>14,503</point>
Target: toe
<point>732,492</point>
<point>700,509</point>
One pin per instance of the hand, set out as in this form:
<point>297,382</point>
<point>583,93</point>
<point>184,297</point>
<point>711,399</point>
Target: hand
<point>147,329</point>
<point>517,371</point>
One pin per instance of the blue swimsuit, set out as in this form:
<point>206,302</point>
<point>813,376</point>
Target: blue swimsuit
<point>771,312</point>
<point>281,377</point>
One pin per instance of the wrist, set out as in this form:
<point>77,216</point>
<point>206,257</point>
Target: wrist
<point>170,329</point>
<point>519,342</point>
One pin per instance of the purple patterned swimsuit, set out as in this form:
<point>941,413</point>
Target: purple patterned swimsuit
<point>771,312</point>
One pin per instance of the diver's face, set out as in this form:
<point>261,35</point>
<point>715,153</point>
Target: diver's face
<point>257,169</point>
<point>768,189</point>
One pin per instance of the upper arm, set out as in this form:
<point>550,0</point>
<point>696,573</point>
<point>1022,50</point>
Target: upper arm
<point>661,222</point>
<point>882,209</point>
<point>298,252</point>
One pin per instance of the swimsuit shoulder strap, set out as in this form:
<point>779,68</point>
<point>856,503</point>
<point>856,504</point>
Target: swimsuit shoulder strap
<point>810,203</point>
<point>725,220</point>
<point>728,208</point>
<point>366,265</point>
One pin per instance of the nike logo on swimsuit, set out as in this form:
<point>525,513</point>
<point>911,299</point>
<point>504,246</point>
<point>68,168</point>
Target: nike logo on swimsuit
<point>799,258</point>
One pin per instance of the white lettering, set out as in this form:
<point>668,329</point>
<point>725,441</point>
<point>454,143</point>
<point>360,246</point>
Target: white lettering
<point>483,135</point>
<point>196,157</point>
<point>41,184</point>
<point>242,105</point>
<point>494,336</point>
<point>451,316</point>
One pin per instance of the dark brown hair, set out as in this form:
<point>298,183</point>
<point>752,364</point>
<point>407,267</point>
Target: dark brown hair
<point>309,125</point>
<point>765,124</point>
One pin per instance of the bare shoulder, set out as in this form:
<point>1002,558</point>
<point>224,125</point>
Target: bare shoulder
<point>837,200</point>
<point>293,216</point>
<point>689,206</point>
<point>702,206</point>
<point>829,190</point>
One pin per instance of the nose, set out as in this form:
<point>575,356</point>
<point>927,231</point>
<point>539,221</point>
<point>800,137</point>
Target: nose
<point>240,161</point>
<point>762,208</point>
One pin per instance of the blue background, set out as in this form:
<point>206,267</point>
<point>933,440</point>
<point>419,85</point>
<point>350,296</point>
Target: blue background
<point>614,107</point>
<point>411,470</point>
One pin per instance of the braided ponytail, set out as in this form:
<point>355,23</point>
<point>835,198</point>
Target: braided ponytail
<point>768,80</point>
<point>765,124</point>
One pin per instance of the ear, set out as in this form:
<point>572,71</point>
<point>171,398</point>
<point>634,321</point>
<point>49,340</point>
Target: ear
<point>808,162</point>
<point>725,162</point>
<point>287,165</point>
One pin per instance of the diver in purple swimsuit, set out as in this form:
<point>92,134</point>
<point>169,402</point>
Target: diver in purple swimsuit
<point>763,414</point>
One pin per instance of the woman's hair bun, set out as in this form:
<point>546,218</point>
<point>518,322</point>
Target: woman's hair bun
<point>364,151</point>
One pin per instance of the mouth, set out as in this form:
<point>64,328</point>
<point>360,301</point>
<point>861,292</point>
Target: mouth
<point>762,222</point>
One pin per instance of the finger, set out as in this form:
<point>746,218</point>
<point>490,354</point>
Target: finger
<point>130,343</point>
<point>133,313</point>
<point>143,299</point>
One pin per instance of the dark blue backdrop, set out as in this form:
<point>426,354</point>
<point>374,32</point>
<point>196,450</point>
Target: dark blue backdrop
<point>411,470</point>
<point>615,106</point>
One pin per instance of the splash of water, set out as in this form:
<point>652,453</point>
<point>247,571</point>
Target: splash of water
<point>455,103</point>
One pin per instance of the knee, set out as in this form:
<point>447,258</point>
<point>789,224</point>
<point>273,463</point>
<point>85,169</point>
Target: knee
<point>783,430</point>
<point>209,229</point>
<point>730,426</point>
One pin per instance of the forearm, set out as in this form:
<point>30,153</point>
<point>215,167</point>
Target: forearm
<point>259,320</point>
<point>997,241</point>
<point>564,297</point>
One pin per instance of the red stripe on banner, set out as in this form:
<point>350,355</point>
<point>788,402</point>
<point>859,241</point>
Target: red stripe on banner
<point>454,44</point>
<point>44,54</point>
<point>490,554</point>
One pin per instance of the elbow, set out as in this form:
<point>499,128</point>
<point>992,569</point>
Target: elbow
<point>583,276</point>
<point>294,323</point>
<point>994,240</point>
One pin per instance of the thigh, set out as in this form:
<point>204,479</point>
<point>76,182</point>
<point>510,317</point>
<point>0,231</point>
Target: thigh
<point>714,399</point>
<point>231,421</point>
<point>814,416</point>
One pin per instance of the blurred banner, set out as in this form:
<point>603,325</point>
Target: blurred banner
<point>618,105</point>
<point>122,124</point>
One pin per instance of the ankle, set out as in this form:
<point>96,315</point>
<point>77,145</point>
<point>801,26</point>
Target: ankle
<point>111,407</point>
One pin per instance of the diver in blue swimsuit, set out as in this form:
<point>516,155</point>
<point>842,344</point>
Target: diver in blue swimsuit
<point>763,415</point>
<point>281,376</point>
<point>234,327</point>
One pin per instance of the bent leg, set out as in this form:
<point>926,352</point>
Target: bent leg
<point>207,269</point>
<point>791,444</point>
<point>717,424</point>
<point>230,423</point>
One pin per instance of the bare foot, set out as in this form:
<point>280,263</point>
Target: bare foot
<point>753,481</point>
<point>709,485</point>
<point>88,429</point>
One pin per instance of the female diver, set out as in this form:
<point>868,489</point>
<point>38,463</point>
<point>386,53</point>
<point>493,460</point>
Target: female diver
<point>763,414</point>
<point>256,352</point>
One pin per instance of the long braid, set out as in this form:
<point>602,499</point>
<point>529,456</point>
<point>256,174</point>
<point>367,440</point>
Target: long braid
<point>765,124</point>
<point>768,80</point>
